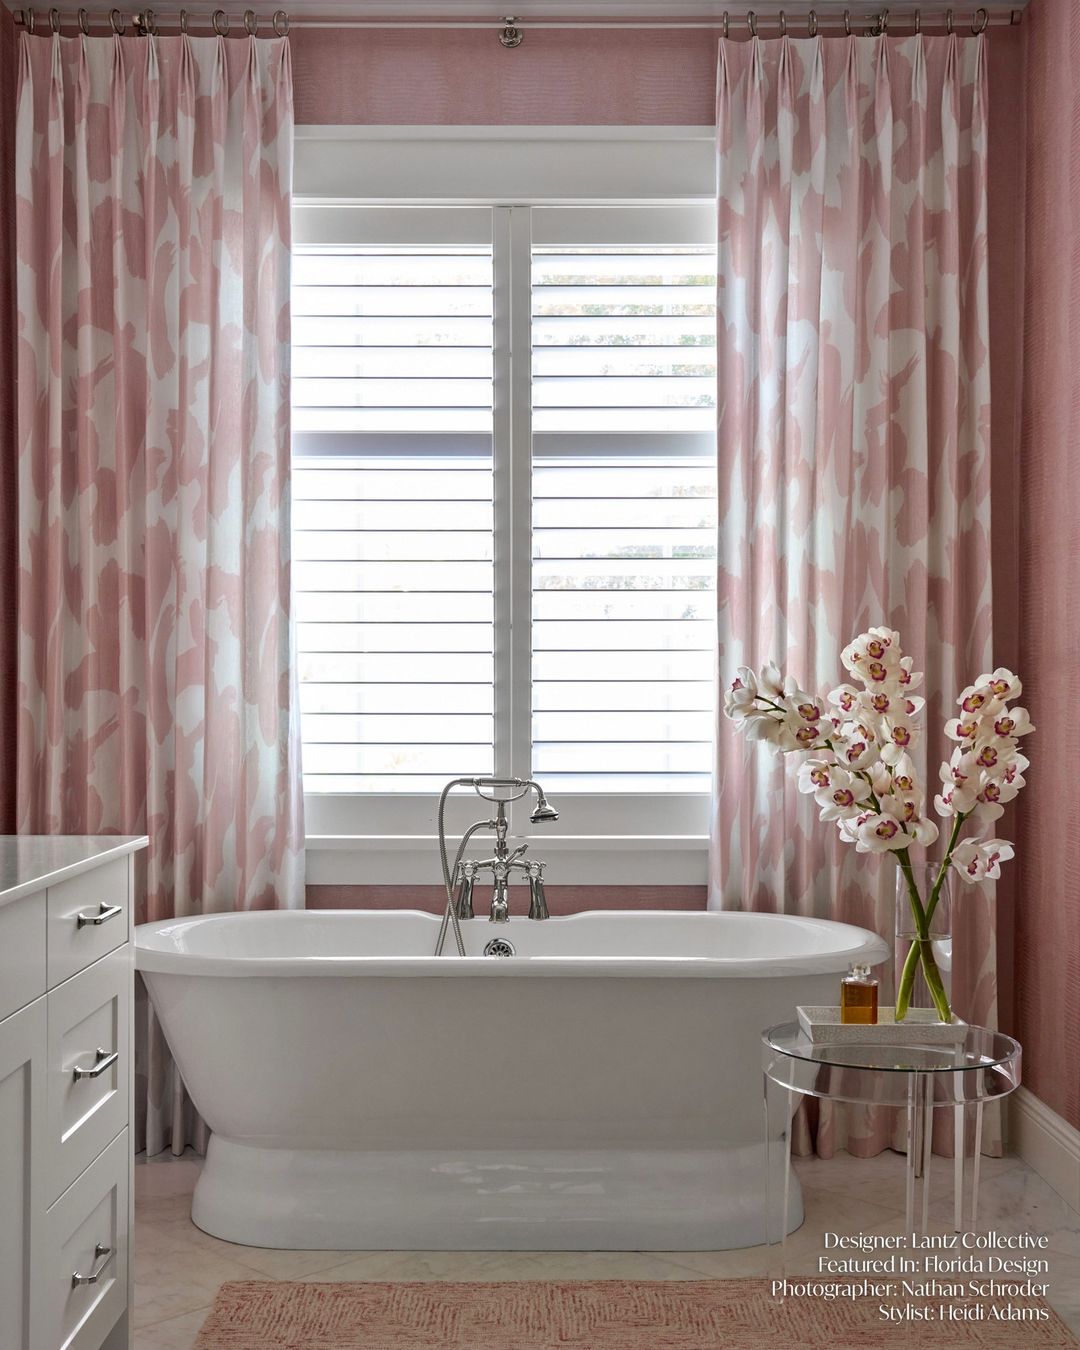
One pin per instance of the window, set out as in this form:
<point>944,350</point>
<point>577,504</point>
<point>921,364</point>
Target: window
<point>623,516</point>
<point>504,497</point>
<point>393,539</point>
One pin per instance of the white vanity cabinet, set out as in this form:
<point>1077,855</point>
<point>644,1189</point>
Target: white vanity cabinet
<point>66,1091</point>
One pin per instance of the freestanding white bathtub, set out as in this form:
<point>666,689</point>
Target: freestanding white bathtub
<point>601,1089</point>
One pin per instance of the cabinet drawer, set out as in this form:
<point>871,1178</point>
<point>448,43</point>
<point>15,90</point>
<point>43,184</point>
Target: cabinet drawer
<point>82,1288</point>
<point>88,917</point>
<point>22,952</point>
<point>88,1088</point>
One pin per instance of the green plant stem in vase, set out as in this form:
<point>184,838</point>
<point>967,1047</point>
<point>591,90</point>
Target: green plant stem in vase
<point>924,924</point>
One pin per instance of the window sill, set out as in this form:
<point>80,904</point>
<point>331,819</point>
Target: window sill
<point>573,860</point>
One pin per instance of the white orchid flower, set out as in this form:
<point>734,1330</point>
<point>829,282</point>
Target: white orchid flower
<point>881,834</point>
<point>900,736</point>
<point>874,657</point>
<point>1003,684</point>
<point>993,797</point>
<point>904,777</point>
<point>813,775</point>
<point>980,860</point>
<point>909,679</point>
<point>925,831</point>
<point>979,700</point>
<point>881,778</point>
<point>956,801</point>
<point>908,808</point>
<point>849,826</point>
<point>1013,722</point>
<point>846,796</point>
<point>964,728</point>
<point>857,750</point>
<point>897,704</point>
<point>847,698</point>
<point>771,681</point>
<point>804,715</point>
<point>770,727</point>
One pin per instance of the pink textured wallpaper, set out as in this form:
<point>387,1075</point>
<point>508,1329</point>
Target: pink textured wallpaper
<point>461,77</point>
<point>1005,252</point>
<point>561,899</point>
<point>8,532</point>
<point>1047,980</point>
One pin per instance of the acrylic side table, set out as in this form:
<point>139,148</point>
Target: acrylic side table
<point>983,1068</point>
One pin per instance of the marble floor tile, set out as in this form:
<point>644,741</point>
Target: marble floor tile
<point>172,1278</point>
<point>176,1333</point>
<point>1064,1296</point>
<point>1021,1201</point>
<point>491,1266</point>
<point>178,1268</point>
<point>881,1179</point>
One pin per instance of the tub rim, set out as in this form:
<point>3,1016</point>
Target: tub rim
<point>866,946</point>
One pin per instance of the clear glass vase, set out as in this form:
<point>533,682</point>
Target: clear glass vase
<point>940,931</point>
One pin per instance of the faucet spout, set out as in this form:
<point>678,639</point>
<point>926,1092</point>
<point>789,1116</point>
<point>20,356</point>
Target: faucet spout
<point>500,903</point>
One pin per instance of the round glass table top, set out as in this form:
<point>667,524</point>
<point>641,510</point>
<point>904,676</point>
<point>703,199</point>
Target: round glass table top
<point>981,1048</point>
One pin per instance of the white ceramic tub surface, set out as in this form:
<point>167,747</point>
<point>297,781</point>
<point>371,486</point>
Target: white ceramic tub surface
<point>601,1089</point>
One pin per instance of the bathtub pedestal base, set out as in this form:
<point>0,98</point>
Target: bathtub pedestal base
<point>487,1200</point>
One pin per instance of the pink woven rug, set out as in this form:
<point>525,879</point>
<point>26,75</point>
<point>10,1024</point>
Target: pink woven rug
<point>587,1315</point>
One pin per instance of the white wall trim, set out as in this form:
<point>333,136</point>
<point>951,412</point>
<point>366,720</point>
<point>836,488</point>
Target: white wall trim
<point>573,860</point>
<point>313,131</point>
<point>530,165</point>
<point>1047,1143</point>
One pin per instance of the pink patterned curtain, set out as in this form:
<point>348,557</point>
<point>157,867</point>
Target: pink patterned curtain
<point>854,436</point>
<point>156,689</point>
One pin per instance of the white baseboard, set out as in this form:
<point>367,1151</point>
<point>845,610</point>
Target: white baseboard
<point>1047,1143</point>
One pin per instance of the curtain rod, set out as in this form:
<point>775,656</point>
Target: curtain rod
<point>511,31</point>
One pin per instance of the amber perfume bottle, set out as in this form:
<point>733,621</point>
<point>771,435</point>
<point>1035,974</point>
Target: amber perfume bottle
<point>858,996</point>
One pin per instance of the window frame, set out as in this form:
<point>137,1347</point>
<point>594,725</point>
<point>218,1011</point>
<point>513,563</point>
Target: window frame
<point>623,838</point>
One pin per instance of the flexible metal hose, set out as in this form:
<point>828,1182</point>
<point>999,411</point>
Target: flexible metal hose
<point>450,915</point>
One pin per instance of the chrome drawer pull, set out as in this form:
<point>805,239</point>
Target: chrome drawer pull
<point>104,1061</point>
<point>102,1256</point>
<point>104,914</point>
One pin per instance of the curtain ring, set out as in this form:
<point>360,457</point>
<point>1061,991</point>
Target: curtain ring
<point>727,24</point>
<point>220,20</point>
<point>751,22</point>
<point>54,21</point>
<point>918,22</point>
<point>982,18</point>
<point>28,19</point>
<point>149,22</point>
<point>883,23</point>
<point>847,22</point>
<point>783,23</point>
<point>251,22</point>
<point>182,21</point>
<point>281,23</point>
<point>116,20</point>
<point>811,23</point>
<point>84,23</point>
<point>948,22</point>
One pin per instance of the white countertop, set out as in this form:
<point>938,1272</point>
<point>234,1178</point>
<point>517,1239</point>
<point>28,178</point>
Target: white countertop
<point>30,862</point>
